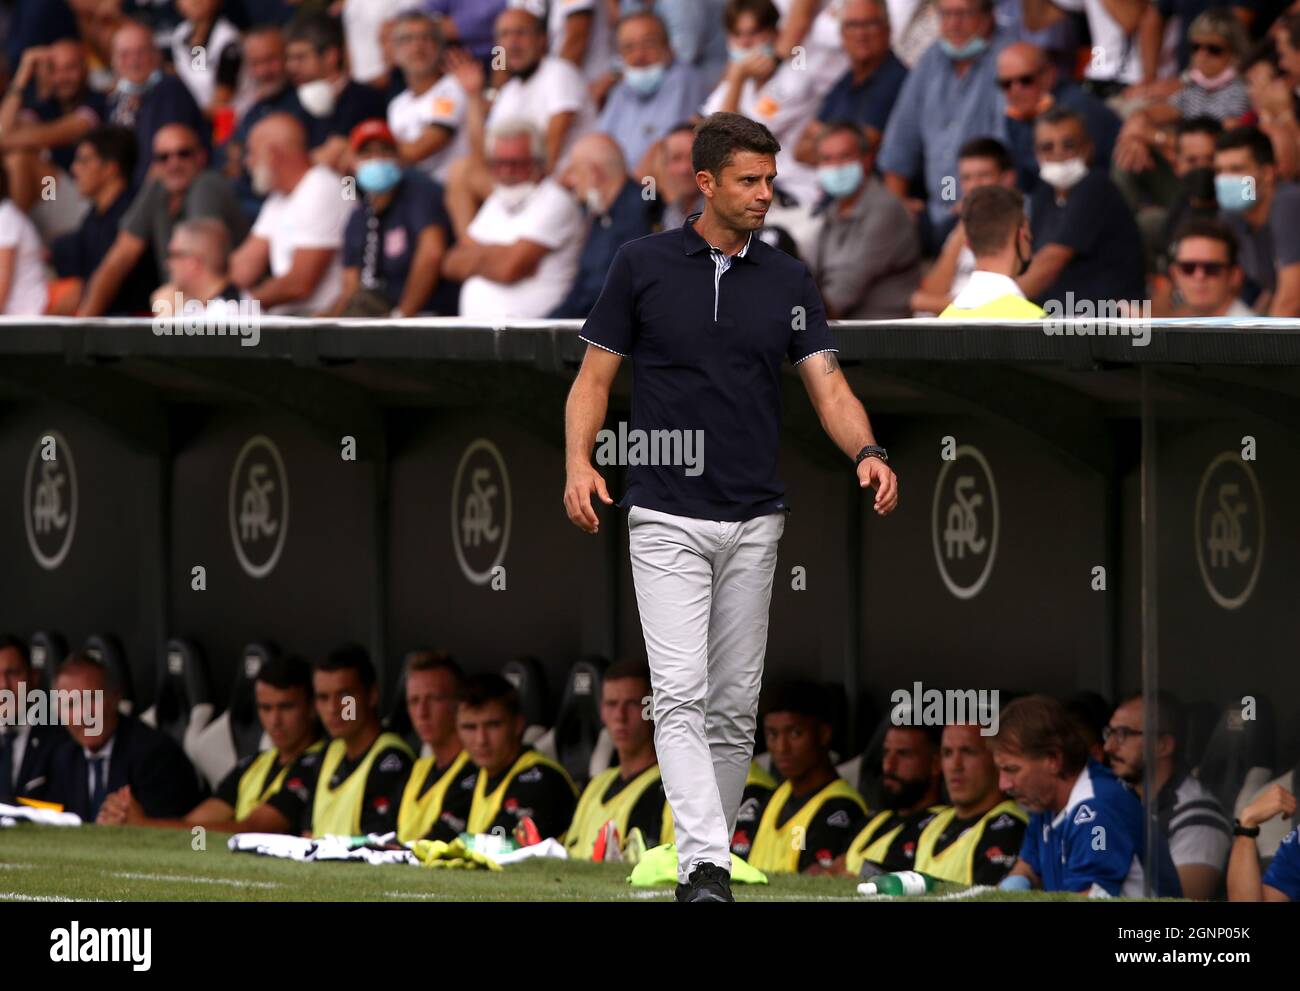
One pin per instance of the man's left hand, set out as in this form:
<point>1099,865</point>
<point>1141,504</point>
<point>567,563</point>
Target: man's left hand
<point>874,473</point>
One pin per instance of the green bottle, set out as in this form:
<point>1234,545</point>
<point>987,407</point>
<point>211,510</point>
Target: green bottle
<point>900,883</point>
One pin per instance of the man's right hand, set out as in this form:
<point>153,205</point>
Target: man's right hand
<point>580,483</point>
<point>1275,799</point>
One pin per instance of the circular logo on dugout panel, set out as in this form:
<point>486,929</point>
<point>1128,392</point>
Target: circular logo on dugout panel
<point>259,506</point>
<point>1229,529</point>
<point>480,511</point>
<point>50,500</point>
<point>964,522</point>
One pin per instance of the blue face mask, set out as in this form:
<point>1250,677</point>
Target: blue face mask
<point>127,88</point>
<point>969,50</point>
<point>644,80</point>
<point>739,54</point>
<point>840,180</point>
<point>1235,193</point>
<point>379,175</point>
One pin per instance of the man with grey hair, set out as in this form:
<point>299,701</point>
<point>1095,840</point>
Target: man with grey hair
<point>197,260</point>
<point>520,252</point>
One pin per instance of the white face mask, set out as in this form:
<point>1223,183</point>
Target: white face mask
<point>260,179</point>
<point>514,197</point>
<point>317,97</point>
<point>1063,175</point>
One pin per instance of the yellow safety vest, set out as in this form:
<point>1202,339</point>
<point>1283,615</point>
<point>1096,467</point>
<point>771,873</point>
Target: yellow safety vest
<point>254,788</point>
<point>956,862</point>
<point>1006,307</point>
<point>755,776</point>
<point>592,812</point>
<point>337,811</point>
<point>775,848</point>
<point>486,807</point>
<point>867,846</point>
<point>418,813</point>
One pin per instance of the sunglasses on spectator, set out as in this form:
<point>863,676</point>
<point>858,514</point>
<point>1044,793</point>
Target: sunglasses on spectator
<point>870,24</point>
<point>1119,733</point>
<point>1212,269</point>
<point>1208,47</point>
<point>184,154</point>
<point>1006,82</point>
<point>406,37</point>
<point>1065,144</point>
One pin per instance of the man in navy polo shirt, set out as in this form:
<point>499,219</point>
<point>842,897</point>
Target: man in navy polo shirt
<point>707,312</point>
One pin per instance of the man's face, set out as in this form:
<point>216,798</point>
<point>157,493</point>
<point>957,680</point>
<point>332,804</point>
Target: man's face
<point>1240,161</point>
<point>908,767</point>
<point>968,769</point>
<point>490,735</point>
<point>748,35</point>
<point>13,671</point>
<point>177,158</point>
<point>622,703</point>
<point>431,704</point>
<point>134,55</point>
<point>415,47</point>
<point>286,715</point>
<point>975,172</point>
<point>864,31</point>
<point>1124,748</point>
<point>961,20</point>
<point>67,70</point>
<point>522,39</point>
<point>1258,78</point>
<point>1060,142</point>
<point>304,63</point>
<point>1022,77</point>
<point>343,704</point>
<point>1194,150</point>
<point>1205,279</point>
<point>1211,54</point>
<point>94,727</point>
<point>1031,781</point>
<point>677,163</point>
<point>641,42</point>
<point>840,148</point>
<point>512,161</point>
<point>796,742</point>
<point>264,56</point>
<point>743,192</point>
<point>261,154</point>
<point>89,170</point>
<point>183,266</point>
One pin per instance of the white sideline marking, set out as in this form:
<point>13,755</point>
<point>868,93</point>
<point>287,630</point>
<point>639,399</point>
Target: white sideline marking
<point>16,867</point>
<point>417,895</point>
<point>19,896</point>
<point>132,876</point>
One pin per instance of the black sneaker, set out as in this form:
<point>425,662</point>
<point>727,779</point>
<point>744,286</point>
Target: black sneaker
<point>708,883</point>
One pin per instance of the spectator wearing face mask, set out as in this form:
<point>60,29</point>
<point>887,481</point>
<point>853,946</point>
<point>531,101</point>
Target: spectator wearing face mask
<point>858,210</point>
<point>1087,243</point>
<point>1261,211</point>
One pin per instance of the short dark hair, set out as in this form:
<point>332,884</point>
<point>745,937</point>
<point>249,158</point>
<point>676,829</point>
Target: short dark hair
<point>1251,138</point>
<point>349,657</point>
<point>1204,124</point>
<point>483,689</point>
<point>868,140</point>
<point>434,660</point>
<point>8,642</point>
<point>1291,28</point>
<point>115,144</point>
<point>1207,227</point>
<point>990,148</point>
<point>320,31</point>
<point>1061,115</point>
<point>81,659</point>
<point>1169,716</point>
<point>719,135</point>
<point>1264,51</point>
<point>289,671</point>
<point>627,668</point>
<point>1039,726</point>
<point>765,10</point>
<point>990,216</point>
<point>803,698</point>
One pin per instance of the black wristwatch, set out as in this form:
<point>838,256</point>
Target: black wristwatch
<point>1239,830</point>
<point>870,451</point>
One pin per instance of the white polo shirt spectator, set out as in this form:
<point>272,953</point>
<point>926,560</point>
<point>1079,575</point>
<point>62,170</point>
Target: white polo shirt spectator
<point>549,217</point>
<point>27,289</point>
<point>600,41</point>
<point>555,87</point>
<point>314,215</point>
<point>1116,57</point>
<point>785,104</point>
<point>824,55</point>
<point>444,104</point>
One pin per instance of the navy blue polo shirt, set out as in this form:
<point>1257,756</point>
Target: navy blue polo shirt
<point>356,102</point>
<point>706,347</point>
<point>868,102</point>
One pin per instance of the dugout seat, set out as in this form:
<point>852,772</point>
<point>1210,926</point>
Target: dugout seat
<point>237,732</point>
<point>1199,719</point>
<point>529,678</point>
<point>107,650</point>
<point>1271,832</point>
<point>1239,754</point>
<point>577,724</point>
<point>183,701</point>
<point>47,650</point>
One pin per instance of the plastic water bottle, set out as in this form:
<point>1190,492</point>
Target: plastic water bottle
<point>899,883</point>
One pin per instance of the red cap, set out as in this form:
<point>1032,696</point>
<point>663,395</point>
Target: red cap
<point>371,130</point>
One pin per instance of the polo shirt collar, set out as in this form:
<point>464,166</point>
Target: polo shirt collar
<point>693,243</point>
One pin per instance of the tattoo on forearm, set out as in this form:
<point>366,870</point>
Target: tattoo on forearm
<point>832,363</point>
